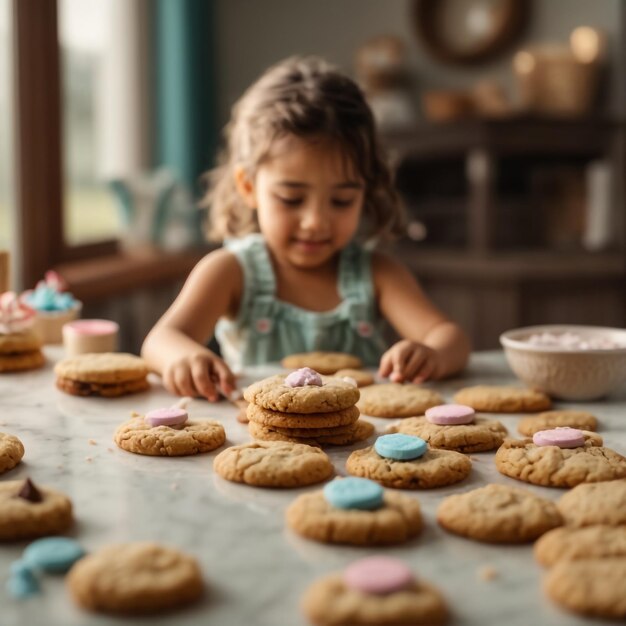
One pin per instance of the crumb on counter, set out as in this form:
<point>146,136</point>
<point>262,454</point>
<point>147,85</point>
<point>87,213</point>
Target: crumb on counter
<point>487,573</point>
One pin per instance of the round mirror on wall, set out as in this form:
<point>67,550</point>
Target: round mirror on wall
<point>465,32</point>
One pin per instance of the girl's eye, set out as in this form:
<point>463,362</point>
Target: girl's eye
<point>290,201</point>
<point>341,204</point>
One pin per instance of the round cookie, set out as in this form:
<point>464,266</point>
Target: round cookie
<point>135,578</point>
<point>11,452</point>
<point>480,436</point>
<point>571,544</point>
<point>22,361</point>
<point>397,521</point>
<point>592,587</point>
<point>108,374</point>
<point>582,420</point>
<point>360,377</point>
<point>105,367</point>
<point>494,399</point>
<point>331,602</point>
<point>322,362</point>
<point>21,518</point>
<point>551,466</point>
<point>436,468</point>
<point>361,430</point>
<point>595,503</point>
<point>396,400</point>
<point>273,464</point>
<point>272,393</point>
<point>498,514</point>
<point>195,437</point>
<point>272,419</point>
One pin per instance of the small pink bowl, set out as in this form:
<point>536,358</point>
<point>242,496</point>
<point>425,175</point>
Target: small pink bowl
<point>88,336</point>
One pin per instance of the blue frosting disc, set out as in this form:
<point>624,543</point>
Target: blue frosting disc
<point>53,554</point>
<point>22,582</point>
<point>400,447</point>
<point>354,493</point>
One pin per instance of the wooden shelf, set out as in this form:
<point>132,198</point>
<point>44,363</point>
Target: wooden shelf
<point>103,277</point>
<point>483,146</point>
<point>588,137</point>
<point>513,266</point>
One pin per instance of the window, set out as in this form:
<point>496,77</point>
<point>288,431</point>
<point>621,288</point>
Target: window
<point>87,47</point>
<point>81,122</point>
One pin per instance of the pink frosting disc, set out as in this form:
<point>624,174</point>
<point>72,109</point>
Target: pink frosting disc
<point>448,414</point>
<point>378,575</point>
<point>302,377</point>
<point>166,417</point>
<point>93,327</point>
<point>563,437</point>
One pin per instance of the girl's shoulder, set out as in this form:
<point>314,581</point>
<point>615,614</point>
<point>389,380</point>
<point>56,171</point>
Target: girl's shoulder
<point>387,269</point>
<point>384,263</point>
<point>220,264</point>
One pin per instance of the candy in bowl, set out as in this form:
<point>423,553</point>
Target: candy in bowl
<point>568,362</point>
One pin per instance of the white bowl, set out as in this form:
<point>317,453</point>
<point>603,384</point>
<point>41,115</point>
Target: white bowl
<point>569,374</point>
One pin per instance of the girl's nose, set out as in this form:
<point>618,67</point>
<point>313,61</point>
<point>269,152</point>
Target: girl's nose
<point>313,218</point>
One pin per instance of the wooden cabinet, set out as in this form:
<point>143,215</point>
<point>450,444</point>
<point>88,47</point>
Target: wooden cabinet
<point>496,216</point>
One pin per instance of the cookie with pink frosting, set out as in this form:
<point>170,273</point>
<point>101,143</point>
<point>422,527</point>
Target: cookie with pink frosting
<point>453,427</point>
<point>301,392</point>
<point>374,590</point>
<point>560,457</point>
<point>169,432</point>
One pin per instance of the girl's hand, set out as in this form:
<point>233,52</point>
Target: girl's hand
<point>408,361</point>
<point>200,374</point>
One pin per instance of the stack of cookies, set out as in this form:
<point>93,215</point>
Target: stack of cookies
<point>20,346</point>
<point>304,407</point>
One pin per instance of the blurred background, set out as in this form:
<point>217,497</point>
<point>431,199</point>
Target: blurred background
<point>504,121</point>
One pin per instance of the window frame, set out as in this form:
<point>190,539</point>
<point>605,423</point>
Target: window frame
<point>39,144</point>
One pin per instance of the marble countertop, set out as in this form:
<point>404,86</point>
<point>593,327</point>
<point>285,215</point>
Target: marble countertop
<point>256,570</point>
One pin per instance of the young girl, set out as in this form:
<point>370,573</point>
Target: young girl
<point>302,183</point>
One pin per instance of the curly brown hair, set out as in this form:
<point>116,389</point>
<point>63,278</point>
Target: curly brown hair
<point>305,97</point>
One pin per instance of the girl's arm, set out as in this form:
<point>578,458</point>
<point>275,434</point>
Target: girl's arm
<point>175,346</point>
<point>432,345</point>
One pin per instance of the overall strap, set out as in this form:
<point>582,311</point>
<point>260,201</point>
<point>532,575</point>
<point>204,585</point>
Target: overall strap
<point>259,280</point>
<point>357,288</point>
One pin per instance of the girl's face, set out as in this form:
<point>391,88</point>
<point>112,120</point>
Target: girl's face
<point>308,198</point>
